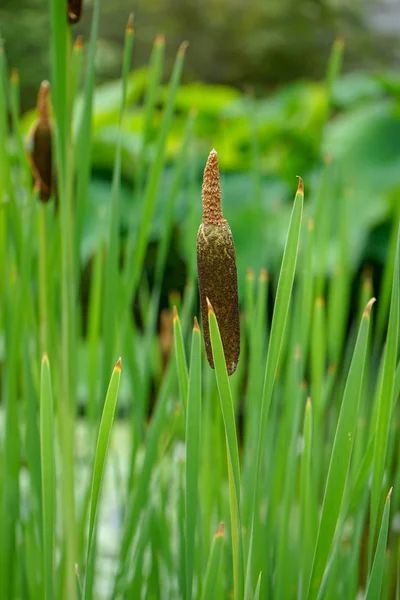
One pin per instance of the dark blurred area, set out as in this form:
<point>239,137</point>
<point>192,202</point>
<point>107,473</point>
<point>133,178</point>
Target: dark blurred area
<point>252,45</point>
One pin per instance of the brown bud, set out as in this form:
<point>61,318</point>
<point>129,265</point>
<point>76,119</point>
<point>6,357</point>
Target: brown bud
<point>41,146</point>
<point>74,10</point>
<point>216,267</point>
<point>166,335</point>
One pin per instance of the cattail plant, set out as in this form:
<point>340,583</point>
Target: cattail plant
<point>216,267</point>
<point>40,146</point>
<point>74,10</point>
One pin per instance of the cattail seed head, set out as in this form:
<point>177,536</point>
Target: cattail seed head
<point>216,266</point>
<point>41,145</point>
<point>74,10</point>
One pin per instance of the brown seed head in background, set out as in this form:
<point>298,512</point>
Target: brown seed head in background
<point>74,10</point>
<point>41,145</point>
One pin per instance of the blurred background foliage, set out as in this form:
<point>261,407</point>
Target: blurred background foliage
<point>255,76</point>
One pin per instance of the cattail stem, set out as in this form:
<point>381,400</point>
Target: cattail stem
<point>43,311</point>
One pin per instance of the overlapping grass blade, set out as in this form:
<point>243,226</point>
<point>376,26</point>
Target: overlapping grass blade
<point>193,422</point>
<point>99,463</point>
<point>137,245</point>
<point>213,565</point>
<point>258,588</point>
<point>375,580</point>
<point>384,399</point>
<point>47,459</point>
<point>340,457</point>
<point>279,318</point>
<point>181,364</point>
<point>306,505</point>
<point>228,413</point>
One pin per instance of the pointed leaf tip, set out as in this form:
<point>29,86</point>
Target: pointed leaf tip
<point>78,43</point>
<point>196,325</point>
<point>118,364</point>
<point>209,306</point>
<point>183,47</point>
<point>367,309</point>
<point>308,402</point>
<point>221,530</point>
<point>250,273</point>
<point>175,313</point>
<point>129,26</point>
<point>390,493</point>
<point>300,187</point>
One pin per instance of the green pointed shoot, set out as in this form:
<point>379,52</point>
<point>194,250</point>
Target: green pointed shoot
<point>340,457</point>
<point>193,422</point>
<point>385,401</point>
<point>258,588</point>
<point>376,577</point>
<point>281,309</point>
<point>100,460</point>
<point>213,565</point>
<point>181,364</point>
<point>225,396</point>
<point>47,460</point>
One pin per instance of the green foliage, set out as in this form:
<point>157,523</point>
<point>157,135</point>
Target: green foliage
<point>204,486</point>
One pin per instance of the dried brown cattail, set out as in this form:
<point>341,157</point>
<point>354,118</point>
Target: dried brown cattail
<point>216,267</point>
<point>166,335</point>
<point>41,145</point>
<point>74,10</point>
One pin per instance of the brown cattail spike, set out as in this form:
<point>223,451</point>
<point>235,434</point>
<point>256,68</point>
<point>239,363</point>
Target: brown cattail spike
<point>216,267</point>
<point>42,105</point>
<point>74,10</point>
<point>41,145</point>
<point>211,191</point>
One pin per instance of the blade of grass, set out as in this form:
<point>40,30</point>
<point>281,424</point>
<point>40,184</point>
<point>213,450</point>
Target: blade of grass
<point>155,72</point>
<point>100,460</point>
<point>340,457</point>
<point>213,565</point>
<point>376,577</point>
<point>258,588</point>
<point>279,318</point>
<point>84,130</point>
<point>305,501</point>
<point>47,455</point>
<point>113,242</point>
<point>228,413</point>
<point>385,401</point>
<point>181,363</point>
<point>193,422</point>
<point>137,247</point>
